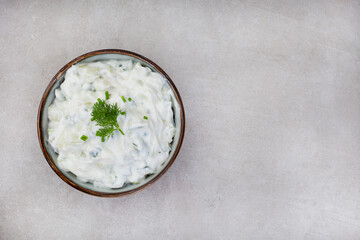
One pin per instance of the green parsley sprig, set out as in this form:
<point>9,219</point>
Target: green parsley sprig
<point>105,115</point>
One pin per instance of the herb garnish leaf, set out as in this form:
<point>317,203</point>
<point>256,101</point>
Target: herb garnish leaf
<point>105,115</point>
<point>84,137</point>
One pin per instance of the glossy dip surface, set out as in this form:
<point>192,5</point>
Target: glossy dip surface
<point>148,124</point>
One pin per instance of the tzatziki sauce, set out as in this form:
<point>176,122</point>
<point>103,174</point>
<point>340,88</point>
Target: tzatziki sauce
<point>148,125</point>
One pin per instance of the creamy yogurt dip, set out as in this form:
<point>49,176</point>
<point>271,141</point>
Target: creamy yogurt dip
<point>148,124</point>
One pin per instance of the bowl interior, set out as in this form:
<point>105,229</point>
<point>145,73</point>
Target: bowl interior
<point>53,155</point>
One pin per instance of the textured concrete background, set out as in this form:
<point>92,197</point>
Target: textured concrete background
<point>272,97</point>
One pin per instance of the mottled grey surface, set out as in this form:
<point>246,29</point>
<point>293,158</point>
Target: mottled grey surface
<point>272,97</point>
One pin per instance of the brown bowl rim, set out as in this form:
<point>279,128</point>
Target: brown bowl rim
<point>62,71</point>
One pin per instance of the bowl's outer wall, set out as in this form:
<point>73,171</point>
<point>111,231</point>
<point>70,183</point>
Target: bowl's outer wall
<point>48,97</point>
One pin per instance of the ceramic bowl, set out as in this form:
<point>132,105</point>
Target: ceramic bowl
<point>51,156</point>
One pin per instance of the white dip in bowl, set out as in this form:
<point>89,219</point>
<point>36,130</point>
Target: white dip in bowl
<point>145,99</point>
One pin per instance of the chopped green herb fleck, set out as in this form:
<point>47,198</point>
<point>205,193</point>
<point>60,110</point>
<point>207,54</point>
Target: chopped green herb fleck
<point>106,95</point>
<point>123,98</point>
<point>145,117</point>
<point>136,147</point>
<point>84,138</point>
<point>129,99</point>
